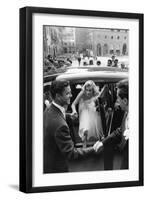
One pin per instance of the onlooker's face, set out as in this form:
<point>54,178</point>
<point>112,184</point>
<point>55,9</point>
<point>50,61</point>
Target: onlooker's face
<point>89,91</point>
<point>122,102</point>
<point>65,97</point>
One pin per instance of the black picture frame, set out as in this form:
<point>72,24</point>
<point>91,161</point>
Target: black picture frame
<point>26,91</point>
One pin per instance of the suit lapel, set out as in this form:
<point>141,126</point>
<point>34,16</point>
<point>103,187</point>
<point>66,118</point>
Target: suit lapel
<point>57,110</point>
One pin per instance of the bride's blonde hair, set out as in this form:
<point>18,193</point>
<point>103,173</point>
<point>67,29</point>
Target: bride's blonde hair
<point>91,84</point>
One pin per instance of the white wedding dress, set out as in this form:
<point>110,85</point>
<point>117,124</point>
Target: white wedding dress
<point>89,120</point>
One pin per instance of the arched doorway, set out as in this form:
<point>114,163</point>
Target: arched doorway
<point>117,51</point>
<point>99,50</point>
<point>105,49</point>
<point>124,49</point>
<point>111,51</point>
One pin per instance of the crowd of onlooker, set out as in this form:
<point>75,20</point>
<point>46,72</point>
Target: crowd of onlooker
<point>111,62</point>
<point>55,64</point>
<point>60,63</point>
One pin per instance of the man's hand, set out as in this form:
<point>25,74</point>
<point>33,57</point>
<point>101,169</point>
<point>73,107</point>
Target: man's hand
<point>98,146</point>
<point>74,115</point>
<point>126,134</point>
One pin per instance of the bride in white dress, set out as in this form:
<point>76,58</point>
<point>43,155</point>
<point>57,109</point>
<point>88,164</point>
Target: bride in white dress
<point>90,125</point>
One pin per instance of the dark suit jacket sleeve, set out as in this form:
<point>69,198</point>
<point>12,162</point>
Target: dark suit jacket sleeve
<point>66,145</point>
<point>114,138</point>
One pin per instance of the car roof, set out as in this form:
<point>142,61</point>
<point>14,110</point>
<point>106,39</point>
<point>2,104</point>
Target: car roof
<point>98,74</point>
<point>81,74</point>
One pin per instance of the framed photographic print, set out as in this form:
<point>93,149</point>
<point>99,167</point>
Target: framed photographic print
<point>81,99</point>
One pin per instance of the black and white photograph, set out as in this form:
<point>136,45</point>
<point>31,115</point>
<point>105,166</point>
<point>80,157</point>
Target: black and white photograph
<point>81,99</point>
<point>86,100</point>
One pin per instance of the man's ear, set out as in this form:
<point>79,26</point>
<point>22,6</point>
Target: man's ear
<point>125,101</point>
<point>58,97</point>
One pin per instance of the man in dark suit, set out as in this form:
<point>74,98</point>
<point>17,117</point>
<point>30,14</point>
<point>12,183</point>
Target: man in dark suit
<point>119,137</point>
<point>58,144</point>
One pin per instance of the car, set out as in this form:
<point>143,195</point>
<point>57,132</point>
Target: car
<point>102,76</point>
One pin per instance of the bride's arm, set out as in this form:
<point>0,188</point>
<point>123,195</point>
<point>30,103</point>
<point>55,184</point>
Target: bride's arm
<point>76,101</point>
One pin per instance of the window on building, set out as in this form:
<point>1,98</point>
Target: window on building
<point>118,52</point>
<point>111,51</point>
<point>65,50</point>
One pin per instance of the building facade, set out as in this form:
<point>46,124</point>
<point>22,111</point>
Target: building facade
<point>103,42</point>
<point>110,41</point>
<point>68,38</point>
<point>95,42</point>
<point>58,40</point>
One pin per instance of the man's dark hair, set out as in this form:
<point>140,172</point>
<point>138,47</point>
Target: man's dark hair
<point>123,89</point>
<point>57,87</point>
